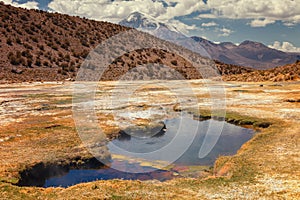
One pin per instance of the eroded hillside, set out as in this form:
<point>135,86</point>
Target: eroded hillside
<point>40,46</point>
<point>289,72</point>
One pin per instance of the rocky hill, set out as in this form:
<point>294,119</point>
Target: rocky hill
<point>290,72</point>
<point>40,46</point>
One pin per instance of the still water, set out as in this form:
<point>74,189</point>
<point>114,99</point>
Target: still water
<point>175,131</point>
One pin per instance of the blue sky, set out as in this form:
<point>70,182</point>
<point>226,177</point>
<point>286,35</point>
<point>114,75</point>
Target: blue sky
<point>274,23</point>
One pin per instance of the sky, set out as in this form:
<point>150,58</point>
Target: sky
<point>276,23</point>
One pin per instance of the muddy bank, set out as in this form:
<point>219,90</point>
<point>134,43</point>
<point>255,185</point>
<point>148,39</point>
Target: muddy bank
<point>238,121</point>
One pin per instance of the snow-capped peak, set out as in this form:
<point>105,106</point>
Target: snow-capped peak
<point>145,22</point>
<point>140,21</point>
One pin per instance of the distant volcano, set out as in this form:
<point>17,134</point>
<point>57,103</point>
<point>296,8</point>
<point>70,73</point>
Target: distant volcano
<point>248,53</point>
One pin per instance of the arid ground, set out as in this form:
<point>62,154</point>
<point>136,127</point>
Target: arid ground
<point>37,127</point>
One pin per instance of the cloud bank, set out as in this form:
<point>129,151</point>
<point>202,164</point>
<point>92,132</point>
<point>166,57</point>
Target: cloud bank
<point>209,24</point>
<point>256,13</point>
<point>107,10</point>
<point>260,13</point>
<point>285,46</point>
<point>28,5</point>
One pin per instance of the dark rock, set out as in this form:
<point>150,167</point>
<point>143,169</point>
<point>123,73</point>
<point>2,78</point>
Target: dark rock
<point>264,125</point>
<point>155,129</point>
<point>16,71</point>
<point>246,122</point>
<point>293,100</point>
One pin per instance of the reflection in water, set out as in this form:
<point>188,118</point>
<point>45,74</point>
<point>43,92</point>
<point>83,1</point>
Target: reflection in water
<point>126,135</point>
<point>161,133</point>
<point>81,176</point>
<point>231,139</point>
<point>123,136</point>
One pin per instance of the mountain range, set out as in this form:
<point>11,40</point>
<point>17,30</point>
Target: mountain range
<point>41,46</point>
<point>248,53</point>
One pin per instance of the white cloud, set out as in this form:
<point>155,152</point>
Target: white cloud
<point>183,28</point>
<point>182,8</point>
<point>261,22</point>
<point>106,10</point>
<point>287,11</point>
<point>28,5</point>
<point>209,24</point>
<point>224,32</point>
<point>285,46</point>
<point>289,24</point>
<point>260,13</point>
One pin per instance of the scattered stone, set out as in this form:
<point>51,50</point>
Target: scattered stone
<point>264,125</point>
<point>16,71</point>
<point>177,107</point>
<point>293,100</point>
<point>52,126</point>
<point>3,102</point>
<point>246,122</point>
<point>94,187</point>
<point>201,118</point>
